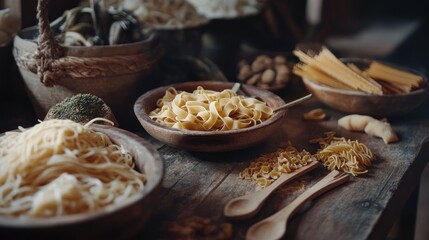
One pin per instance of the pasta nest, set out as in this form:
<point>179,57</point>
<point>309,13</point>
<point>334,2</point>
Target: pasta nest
<point>345,155</point>
<point>208,110</point>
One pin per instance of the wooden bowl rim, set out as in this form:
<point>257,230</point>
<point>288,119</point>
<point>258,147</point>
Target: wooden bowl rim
<point>326,88</point>
<point>140,112</point>
<point>154,182</point>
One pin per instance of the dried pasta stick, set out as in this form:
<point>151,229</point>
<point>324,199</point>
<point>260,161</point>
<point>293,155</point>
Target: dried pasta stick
<point>326,62</point>
<point>343,73</point>
<point>395,87</point>
<point>319,76</point>
<point>387,73</point>
<point>357,70</point>
<point>370,126</point>
<point>388,86</point>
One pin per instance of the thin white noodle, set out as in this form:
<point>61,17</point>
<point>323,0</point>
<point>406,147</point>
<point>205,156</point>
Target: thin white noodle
<point>59,167</point>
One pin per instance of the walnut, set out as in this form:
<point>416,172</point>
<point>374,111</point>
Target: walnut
<point>264,71</point>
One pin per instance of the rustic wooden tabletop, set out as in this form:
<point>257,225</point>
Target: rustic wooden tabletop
<point>366,207</point>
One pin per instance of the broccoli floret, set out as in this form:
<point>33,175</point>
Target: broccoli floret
<point>79,108</point>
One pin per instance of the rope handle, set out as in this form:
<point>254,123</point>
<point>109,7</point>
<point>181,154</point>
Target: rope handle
<point>48,49</point>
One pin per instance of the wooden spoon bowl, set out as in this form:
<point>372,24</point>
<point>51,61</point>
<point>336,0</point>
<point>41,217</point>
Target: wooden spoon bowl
<point>274,227</point>
<point>247,206</point>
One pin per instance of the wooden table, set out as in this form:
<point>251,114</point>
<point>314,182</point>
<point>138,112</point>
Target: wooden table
<point>364,208</point>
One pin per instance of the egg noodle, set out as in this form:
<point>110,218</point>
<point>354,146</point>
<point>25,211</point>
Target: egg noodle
<point>269,167</point>
<point>342,154</point>
<point>208,110</point>
<point>59,167</point>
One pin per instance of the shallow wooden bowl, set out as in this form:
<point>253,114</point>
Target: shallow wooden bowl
<point>208,141</point>
<point>120,222</point>
<point>369,104</point>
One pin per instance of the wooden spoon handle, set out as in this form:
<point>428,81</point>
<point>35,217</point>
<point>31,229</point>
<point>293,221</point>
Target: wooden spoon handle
<point>293,103</point>
<point>330,181</point>
<point>327,183</point>
<point>239,213</point>
<point>235,87</point>
<point>285,178</point>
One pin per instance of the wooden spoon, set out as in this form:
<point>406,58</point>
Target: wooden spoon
<point>237,86</point>
<point>247,206</point>
<point>274,227</point>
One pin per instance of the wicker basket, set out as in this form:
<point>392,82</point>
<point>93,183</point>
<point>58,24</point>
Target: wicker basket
<point>52,72</point>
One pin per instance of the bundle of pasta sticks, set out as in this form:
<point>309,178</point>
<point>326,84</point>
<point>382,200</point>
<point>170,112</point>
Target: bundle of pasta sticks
<point>392,79</point>
<point>377,78</point>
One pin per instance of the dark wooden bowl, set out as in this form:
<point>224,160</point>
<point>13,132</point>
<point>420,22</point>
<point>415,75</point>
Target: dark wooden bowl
<point>205,141</point>
<point>120,222</point>
<point>369,104</point>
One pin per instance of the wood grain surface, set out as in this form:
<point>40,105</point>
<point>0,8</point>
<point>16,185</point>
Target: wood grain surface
<point>363,208</point>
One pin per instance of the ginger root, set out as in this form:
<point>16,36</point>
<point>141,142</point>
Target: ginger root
<point>370,125</point>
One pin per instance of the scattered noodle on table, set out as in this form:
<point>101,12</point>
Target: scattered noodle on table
<point>324,141</point>
<point>344,154</point>
<point>268,167</point>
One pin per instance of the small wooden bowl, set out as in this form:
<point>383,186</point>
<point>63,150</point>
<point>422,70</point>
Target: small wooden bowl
<point>208,141</point>
<point>369,104</point>
<point>120,222</point>
<point>250,56</point>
